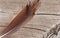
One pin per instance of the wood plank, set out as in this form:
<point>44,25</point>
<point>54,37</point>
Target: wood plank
<point>37,19</point>
<point>49,6</point>
<point>36,27</point>
<point>26,33</point>
<point>45,20</point>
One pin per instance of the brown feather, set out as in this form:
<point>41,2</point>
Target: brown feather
<point>23,17</point>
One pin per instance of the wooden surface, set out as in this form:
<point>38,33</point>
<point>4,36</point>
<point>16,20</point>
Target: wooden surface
<point>47,16</point>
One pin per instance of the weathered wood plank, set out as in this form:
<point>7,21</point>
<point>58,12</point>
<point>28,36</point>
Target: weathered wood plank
<point>37,19</point>
<point>26,33</point>
<point>45,20</point>
<point>36,27</point>
<point>49,6</point>
<point>9,9</point>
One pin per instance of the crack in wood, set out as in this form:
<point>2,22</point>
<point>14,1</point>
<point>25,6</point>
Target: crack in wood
<point>35,29</point>
<point>47,14</point>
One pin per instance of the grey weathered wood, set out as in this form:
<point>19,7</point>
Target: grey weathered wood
<point>46,18</point>
<point>26,33</point>
<point>49,6</point>
<point>37,19</point>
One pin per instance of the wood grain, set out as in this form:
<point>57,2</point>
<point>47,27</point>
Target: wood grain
<point>47,15</point>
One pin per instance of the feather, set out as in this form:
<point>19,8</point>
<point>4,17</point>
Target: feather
<point>24,16</point>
